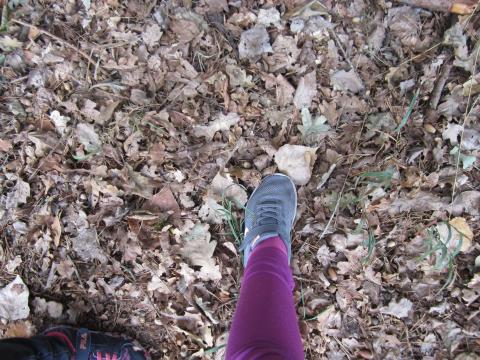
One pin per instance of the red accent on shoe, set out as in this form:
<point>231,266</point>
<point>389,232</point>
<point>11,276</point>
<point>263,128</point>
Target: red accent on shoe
<point>61,336</point>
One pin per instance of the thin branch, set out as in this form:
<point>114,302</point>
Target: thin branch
<point>439,85</point>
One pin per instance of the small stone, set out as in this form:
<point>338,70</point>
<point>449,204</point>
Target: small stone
<point>54,309</point>
<point>246,165</point>
<point>430,129</point>
<point>332,274</point>
<point>391,244</point>
<point>261,162</point>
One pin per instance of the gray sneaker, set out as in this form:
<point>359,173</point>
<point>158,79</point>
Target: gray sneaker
<point>270,211</point>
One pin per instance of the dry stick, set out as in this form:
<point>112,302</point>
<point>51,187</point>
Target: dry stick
<point>342,50</point>
<point>60,40</point>
<point>461,7</point>
<point>308,280</point>
<point>439,85</point>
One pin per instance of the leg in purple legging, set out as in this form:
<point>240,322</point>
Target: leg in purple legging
<point>265,324</point>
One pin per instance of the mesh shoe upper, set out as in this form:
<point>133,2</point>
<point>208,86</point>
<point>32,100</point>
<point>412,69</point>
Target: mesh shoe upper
<point>269,212</point>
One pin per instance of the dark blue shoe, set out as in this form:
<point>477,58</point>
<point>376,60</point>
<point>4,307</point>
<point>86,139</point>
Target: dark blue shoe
<point>92,345</point>
<point>270,211</point>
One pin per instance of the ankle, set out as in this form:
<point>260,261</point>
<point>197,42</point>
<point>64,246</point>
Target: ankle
<point>274,242</point>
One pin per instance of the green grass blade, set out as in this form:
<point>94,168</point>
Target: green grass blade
<point>411,106</point>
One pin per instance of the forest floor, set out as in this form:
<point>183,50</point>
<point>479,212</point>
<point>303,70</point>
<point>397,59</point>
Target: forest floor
<point>132,132</point>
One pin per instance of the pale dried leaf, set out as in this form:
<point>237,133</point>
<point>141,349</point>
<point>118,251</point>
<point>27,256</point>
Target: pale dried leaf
<point>19,194</point>
<point>346,80</point>
<point>452,133</point>
<point>468,202</point>
<point>59,121</point>
<point>8,44</point>
<point>14,300</point>
<point>268,17</point>
<point>156,284</point>
<point>5,145</point>
<point>56,230</point>
<point>13,264</point>
<point>284,91</point>
<point>88,138</point>
<point>399,309</point>
<point>222,122</point>
<point>87,247</point>
<point>198,249</point>
<point>306,91</point>
<point>254,42</point>
<point>152,35</point>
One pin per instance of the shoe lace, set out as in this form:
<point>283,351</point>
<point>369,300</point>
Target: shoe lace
<point>108,356</point>
<point>268,213</point>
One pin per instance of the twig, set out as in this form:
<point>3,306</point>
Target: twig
<point>308,280</point>
<point>461,7</point>
<point>342,50</point>
<point>326,176</point>
<point>60,40</point>
<point>439,85</point>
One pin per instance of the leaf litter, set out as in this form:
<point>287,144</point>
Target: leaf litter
<point>133,133</point>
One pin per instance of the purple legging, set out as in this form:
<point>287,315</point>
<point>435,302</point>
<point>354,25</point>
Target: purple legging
<point>265,324</point>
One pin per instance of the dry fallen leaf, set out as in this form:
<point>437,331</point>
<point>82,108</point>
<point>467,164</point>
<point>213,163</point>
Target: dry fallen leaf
<point>56,228</point>
<point>7,43</point>
<point>87,247</point>
<point>399,309</point>
<point>5,145</point>
<point>468,202</point>
<point>88,138</point>
<point>254,42</point>
<point>59,121</point>
<point>152,35</point>
<point>19,194</point>
<point>346,80</point>
<point>222,122</point>
<point>268,17</point>
<point>198,249</point>
<point>162,202</point>
<point>463,233</point>
<point>14,300</point>
<point>306,91</point>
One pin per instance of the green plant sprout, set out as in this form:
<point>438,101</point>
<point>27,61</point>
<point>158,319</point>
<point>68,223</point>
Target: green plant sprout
<point>444,256</point>
<point>228,212</point>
